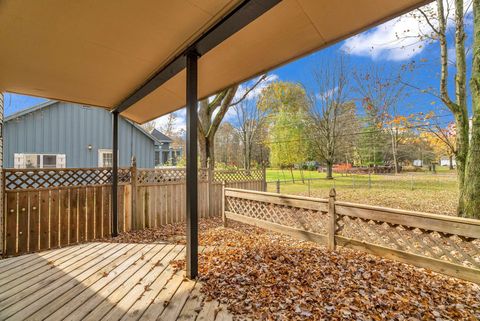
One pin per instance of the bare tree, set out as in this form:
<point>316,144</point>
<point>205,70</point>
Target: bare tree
<point>227,145</point>
<point>149,126</point>
<point>329,114</point>
<point>250,119</point>
<point>381,96</point>
<point>169,127</point>
<point>211,113</point>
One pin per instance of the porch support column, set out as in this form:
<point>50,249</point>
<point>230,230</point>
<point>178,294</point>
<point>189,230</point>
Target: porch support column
<point>115,174</point>
<point>192,170</point>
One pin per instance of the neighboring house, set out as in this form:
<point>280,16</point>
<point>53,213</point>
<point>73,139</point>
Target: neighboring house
<point>59,134</point>
<point>445,161</point>
<point>417,163</point>
<point>165,154</point>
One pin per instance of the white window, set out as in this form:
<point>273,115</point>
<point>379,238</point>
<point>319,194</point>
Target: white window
<point>39,161</point>
<point>105,158</point>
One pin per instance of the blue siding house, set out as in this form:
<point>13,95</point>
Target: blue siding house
<point>60,134</point>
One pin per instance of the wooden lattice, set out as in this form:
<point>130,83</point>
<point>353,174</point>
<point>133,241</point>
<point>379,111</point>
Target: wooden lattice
<point>300,218</point>
<point>429,243</point>
<point>238,175</point>
<point>155,176</point>
<point>51,178</point>
<point>171,175</point>
<point>441,243</point>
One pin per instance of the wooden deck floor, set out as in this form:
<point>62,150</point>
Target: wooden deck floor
<point>102,281</point>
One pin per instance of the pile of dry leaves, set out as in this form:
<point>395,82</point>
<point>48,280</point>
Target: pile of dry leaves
<point>269,276</point>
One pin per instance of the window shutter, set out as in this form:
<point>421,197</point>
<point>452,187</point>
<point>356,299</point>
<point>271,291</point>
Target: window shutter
<point>19,160</point>
<point>61,161</point>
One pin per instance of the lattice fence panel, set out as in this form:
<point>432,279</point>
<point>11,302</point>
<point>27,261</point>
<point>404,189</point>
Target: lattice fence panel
<point>238,175</point>
<point>300,218</point>
<point>156,176</point>
<point>447,247</point>
<point>172,175</point>
<point>51,178</point>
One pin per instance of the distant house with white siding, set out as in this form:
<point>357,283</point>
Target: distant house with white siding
<point>58,134</point>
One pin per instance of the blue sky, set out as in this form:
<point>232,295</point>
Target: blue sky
<point>379,46</point>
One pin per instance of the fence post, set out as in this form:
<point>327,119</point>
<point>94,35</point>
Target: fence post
<point>264,174</point>
<point>133,184</point>
<point>224,218</point>
<point>331,220</point>
<point>278,186</point>
<point>210,179</point>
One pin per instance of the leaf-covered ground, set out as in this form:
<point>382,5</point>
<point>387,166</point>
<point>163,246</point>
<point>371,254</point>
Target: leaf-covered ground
<point>268,276</point>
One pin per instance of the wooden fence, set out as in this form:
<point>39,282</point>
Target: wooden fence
<point>444,244</point>
<point>49,208</point>
<point>160,194</point>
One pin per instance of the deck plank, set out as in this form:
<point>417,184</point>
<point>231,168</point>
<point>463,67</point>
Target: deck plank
<point>109,304</point>
<point>137,310</point>
<point>39,267</point>
<point>24,285</point>
<point>63,305</point>
<point>9,263</point>
<point>142,287</point>
<point>104,281</point>
<point>101,290</point>
<point>193,305</point>
<point>46,290</point>
<point>209,311</point>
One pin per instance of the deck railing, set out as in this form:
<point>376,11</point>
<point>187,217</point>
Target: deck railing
<point>441,243</point>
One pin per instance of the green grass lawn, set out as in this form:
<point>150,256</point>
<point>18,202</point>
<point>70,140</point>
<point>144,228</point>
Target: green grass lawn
<point>419,191</point>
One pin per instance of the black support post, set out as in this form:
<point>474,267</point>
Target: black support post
<point>115,174</point>
<point>192,167</point>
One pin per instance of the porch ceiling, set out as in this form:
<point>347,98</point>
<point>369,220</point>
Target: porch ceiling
<point>99,52</point>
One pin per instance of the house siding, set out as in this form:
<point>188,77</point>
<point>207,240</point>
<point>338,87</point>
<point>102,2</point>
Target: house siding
<point>67,128</point>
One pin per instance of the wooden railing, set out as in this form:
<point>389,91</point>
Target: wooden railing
<point>444,244</point>
<point>49,208</point>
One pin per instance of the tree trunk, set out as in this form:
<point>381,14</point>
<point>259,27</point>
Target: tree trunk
<point>461,122</point>
<point>394,153</point>
<point>471,189</point>
<point>329,170</point>
<point>458,108</point>
<point>202,147</point>
<point>450,164</point>
<point>291,173</point>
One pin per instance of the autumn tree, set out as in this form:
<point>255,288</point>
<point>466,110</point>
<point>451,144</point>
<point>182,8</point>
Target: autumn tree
<point>286,105</point>
<point>211,112</point>
<point>287,139</point>
<point>441,137</point>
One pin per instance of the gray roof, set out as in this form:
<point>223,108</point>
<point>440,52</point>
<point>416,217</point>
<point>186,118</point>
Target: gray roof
<point>52,102</point>
<point>160,136</point>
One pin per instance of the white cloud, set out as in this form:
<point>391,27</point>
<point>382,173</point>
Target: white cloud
<point>326,94</point>
<point>397,39</point>
<point>257,90</point>
<point>394,40</point>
